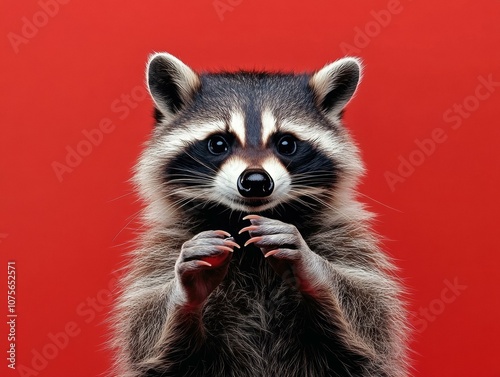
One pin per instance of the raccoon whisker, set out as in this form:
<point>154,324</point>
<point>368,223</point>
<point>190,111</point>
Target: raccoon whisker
<point>323,203</point>
<point>122,196</point>
<point>355,224</point>
<point>300,201</point>
<point>132,218</point>
<point>195,178</point>
<point>307,190</point>
<point>292,204</point>
<point>307,185</point>
<point>198,180</point>
<point>182,202</point>
<point>322,177</point>
<point>376,201</point>
<point>185,196</point>
<point>306,178</point>
<point>192,173</point>
<point>174,197</point>
<point>312,180</point>
<point>201,162</point>
<point>186,189</point>
<point>220,202</point>
<point>329,206</point>
<point>129,244</point>
<point>308,204</point>
<point>315,172</point>
<point>186,192</point>
<point>190,180</point>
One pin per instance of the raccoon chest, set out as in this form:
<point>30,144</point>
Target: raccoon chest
<point>252,324</point>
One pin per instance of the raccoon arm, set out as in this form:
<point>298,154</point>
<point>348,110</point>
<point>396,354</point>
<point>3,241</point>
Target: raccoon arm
<point>163,331</point>
<point>361,304</point>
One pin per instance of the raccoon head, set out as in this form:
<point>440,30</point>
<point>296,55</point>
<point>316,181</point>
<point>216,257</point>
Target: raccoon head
<point>249,141</point>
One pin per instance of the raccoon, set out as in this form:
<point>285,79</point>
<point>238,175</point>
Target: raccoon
<point>256,257</point>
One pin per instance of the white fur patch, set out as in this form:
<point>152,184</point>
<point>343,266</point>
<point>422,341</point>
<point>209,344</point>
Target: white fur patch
<point>324,140</point>
<point>178,139</point>
<point>237,126</point>
<point>268,125</point>
<point>280,176</point>
<point>226,181</point>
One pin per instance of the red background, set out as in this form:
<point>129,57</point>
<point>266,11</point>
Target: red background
<point>67,234</point>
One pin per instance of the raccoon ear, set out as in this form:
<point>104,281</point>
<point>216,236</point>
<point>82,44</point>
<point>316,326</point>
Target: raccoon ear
<point>171,83</point>
<point>335,84</point>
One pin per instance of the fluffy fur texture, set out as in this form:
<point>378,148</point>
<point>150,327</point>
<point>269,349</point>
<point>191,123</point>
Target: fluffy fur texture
<point>289,281</point>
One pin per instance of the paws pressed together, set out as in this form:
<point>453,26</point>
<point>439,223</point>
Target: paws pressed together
<point>204,259</point>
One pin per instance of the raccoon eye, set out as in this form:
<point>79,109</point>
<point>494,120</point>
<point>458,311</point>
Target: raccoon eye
<point>217,145</point>
<point>286,145</point>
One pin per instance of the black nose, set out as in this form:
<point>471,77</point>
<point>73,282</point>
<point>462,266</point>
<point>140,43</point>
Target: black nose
<point>255,183</point>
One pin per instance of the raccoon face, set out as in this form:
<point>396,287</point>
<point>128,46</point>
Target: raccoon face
<point>249,141</point>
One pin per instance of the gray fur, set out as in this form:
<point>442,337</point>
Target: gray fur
<point>299,289</point>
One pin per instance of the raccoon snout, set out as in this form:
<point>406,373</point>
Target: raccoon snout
<point>255,183</point>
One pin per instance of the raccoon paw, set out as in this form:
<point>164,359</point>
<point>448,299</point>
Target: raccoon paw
<point>283,246</point>
<point>203,263</point>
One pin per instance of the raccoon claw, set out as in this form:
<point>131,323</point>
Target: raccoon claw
<point>282,245</point>
<point>248,229</point>
<point>222,233</point>
<point>269,234</point>
<point>271,253</point>
<point>230,242</point>
<point>202,264</point>
<point>224,248</point>
<point>252,217</point>
<point>253,240</point>
<point>208,247</point>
